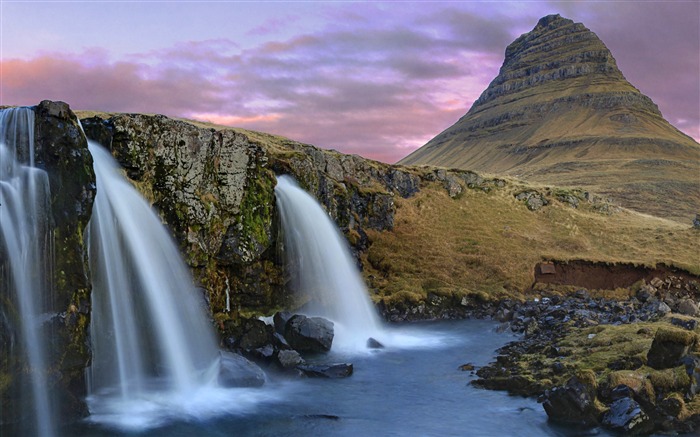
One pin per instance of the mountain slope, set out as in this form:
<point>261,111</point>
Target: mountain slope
<point>560,112</point>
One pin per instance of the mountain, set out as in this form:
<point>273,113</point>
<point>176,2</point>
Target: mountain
<point>560,112</point>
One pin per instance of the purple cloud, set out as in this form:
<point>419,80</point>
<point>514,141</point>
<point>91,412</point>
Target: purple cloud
<point>374,84</point>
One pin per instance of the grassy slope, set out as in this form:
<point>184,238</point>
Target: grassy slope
<point>490,242</point>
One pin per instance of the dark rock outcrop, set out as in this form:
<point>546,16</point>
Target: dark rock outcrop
<point>309,334</point>
<point>560,110</point>
<point>61,150</point>
<point>669,346</point>
<point>626,416</point>
<point>572,404</point>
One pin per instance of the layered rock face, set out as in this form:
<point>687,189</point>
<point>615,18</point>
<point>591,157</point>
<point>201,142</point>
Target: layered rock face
<point>561,112</point>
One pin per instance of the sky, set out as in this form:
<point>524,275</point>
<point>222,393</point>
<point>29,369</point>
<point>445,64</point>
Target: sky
<point>377,79</point>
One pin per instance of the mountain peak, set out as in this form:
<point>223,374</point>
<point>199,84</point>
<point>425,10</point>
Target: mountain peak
<point>552,21</point>
<point>559,111</point>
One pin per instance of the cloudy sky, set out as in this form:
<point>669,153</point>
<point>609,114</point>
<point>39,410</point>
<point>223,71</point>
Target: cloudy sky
<point>378,79</point>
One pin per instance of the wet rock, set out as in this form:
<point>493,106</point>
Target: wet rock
<point>280,320</point>
<point>309,334</point>
<point>466,367</point>
<point>254,334</point>
<point>669,346</point>
<point>626,416</point>
<point>572,404</point>
<point>288,359</point>
<point>340,370</point>
<point>237,371</point>
<point>374,344</point>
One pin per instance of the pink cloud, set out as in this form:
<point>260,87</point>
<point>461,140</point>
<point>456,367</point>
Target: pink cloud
<point>375,88</point>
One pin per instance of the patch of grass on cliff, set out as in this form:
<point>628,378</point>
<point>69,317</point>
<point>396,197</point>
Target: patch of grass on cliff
<point>489,242</point>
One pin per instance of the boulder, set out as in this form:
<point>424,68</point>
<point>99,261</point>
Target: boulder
<point>374,344</point>
<point>340,370</point>
<point>688,307</point>
<point>692,368</point>
<point>669,346</point>
<point>288,359</point>
<point>253,334</point>
<point>572,404</point>
<point>280,320</point>
<point>237,371</point>
<point>309,334</point>
<point>626,416</point>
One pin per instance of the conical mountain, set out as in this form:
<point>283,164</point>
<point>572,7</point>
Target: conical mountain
<point>560,112</point>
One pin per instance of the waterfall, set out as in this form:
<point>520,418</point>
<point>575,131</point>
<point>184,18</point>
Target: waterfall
<point>150,336</point>
<point>25,267</point>
<point>322,266</point>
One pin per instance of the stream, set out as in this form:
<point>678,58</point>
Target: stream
<point>413,388</point>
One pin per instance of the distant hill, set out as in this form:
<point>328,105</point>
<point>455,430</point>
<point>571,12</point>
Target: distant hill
<point>560,112</point>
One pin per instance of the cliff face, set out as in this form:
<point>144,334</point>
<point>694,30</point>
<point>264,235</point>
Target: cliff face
<point>214,188</point>
<point>561,112</point>
<point>60,150</point>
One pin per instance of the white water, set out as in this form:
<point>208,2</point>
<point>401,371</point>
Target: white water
<point>154,352</point>
<point>25,238</point>
<point>319,258</point>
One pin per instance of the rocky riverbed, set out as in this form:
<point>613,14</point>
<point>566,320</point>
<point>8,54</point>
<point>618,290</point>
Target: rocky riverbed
<point>631,365</point>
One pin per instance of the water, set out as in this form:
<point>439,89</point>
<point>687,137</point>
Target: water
<point>322,267</point>
<point>154,351</point>
<point>25,242</point>
<point>393,392</point>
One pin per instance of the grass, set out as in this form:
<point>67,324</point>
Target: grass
<point>489,242</point>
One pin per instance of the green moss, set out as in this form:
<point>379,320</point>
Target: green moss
<point>674,335</point>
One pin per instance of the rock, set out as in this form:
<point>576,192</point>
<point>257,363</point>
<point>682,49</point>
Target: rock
<point>254,334</point>
<point>688,307</point>
<point>340,370</point>
<point>692,368</point>
<point>672,405</point>
<point>662,309</point>
<point>309,334</point>
<point>288,359</point>
<point>237,371</point>
<point>645,292</point>
<point>696,221</point>
<point>466,367</point>
<point>572,404</point>
<point>280,320</point>
<point>533,200</point>
<point>626,416</point>
<point>669,346</point>
<point>689,324</point>
<point>374,344</point>
<point>656,283</point>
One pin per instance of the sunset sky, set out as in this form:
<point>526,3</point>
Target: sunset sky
<point>377,79</point>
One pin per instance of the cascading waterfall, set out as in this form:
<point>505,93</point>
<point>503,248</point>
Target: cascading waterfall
<point>151,340</point>
<point>25,241</point>
<point>324,268</point>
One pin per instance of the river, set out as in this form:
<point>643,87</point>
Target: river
<point>412,389</point>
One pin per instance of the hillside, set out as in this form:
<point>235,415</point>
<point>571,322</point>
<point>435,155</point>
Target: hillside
<point>560,112</point>
<point>419,232</point>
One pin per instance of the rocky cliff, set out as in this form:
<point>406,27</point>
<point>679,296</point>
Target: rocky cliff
<point>214,188</point>
<point>561,112</point>
<point>60,150</point>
